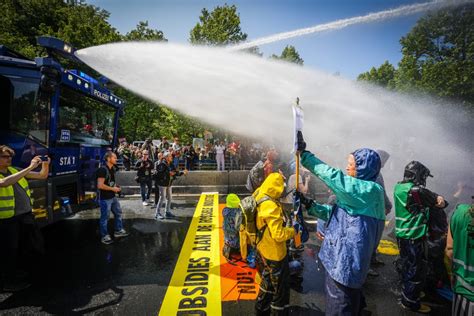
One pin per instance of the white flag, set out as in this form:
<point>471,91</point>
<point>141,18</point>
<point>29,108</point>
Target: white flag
<point>298,117</point>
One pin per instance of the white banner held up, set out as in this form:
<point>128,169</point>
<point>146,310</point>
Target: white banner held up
<point>298,118</point>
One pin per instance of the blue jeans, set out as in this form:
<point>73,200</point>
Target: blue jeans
<point>105,207</point>
<point>343,300</point>
<point>234,163</point>
<point>146,187</point>
<point>165,194</point>
<point>176,162</point>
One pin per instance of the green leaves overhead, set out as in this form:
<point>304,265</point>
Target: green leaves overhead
<point>438,57</point>
<point>143,33</point>
<point>78,23</point>
<point>219,27</point>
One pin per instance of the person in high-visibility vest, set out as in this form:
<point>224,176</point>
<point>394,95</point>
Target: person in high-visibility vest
<point>412,206</point>
<point>460,249</point>
<point>15,214</point>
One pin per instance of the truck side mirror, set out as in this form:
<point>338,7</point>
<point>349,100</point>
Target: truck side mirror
<point>50,79</point>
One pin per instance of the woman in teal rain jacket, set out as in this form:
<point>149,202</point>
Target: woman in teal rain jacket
<point>354,225</point>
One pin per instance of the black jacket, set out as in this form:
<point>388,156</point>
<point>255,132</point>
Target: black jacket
<point>144,168</point>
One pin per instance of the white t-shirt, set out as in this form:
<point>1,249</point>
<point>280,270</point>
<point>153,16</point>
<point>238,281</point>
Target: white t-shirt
<point>220,149</point>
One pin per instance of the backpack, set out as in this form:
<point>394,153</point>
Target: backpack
<point>255,177</point>
<point>231,227</point>
<point>249,234</point>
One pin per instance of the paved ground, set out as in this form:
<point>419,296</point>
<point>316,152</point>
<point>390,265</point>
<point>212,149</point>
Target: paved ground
<point>79,275</point>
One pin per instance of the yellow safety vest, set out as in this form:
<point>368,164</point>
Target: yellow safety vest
<point>7,197</point>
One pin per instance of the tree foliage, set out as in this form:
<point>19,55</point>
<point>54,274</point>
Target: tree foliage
<point>382,76</point>
<point>80,24</point>
<point>143,33</point>
<point>438,57</point>
<point>219,27</point>
<point>289,54</point>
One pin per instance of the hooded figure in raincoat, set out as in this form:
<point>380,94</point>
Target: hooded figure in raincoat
<point>274,294</point>
<point>354,225</point>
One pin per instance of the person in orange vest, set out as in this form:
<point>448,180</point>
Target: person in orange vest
<point>16,215</point>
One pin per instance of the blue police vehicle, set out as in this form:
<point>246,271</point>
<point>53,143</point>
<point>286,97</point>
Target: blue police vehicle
<point>63,113</point>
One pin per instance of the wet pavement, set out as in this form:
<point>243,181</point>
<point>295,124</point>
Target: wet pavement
<point>79,275</point>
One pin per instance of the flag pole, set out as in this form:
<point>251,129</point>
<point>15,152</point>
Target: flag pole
<point>297,238</point>
<point>297,156</point>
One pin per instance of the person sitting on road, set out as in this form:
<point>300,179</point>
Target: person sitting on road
<point>231,225</point>
<point>108,202</point>
<point>354,225</point>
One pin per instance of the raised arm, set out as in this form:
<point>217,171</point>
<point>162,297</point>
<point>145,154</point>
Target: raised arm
<point>43,174</point>
<point>347,189</point>
<point>14,178</point>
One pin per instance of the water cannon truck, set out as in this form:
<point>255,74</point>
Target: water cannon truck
<point>65,114</point>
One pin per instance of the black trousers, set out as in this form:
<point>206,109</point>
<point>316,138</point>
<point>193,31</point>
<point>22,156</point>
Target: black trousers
<point>274,295</point>
<point>413,264</point>
<point>22,244</point>
<point>157,193</point>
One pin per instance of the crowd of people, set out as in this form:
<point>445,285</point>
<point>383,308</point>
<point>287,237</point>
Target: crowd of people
<point>226,155</point>
<point>350,224</point>
<point>351,227</point>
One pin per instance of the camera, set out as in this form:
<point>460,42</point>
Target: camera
<point>44,158</point>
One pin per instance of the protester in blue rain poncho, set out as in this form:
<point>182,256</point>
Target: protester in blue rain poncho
<point>354,225</point>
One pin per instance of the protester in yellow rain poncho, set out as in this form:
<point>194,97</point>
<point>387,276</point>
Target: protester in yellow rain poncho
<point>271,248</point>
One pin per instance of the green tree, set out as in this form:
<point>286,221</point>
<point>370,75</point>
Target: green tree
<point>143,33</point>
<point>254,51</point>
<point>438,55</point>
<point>382,76</point>
<point>289,54</point>
<point>78,23</point>
<point>219,27</point>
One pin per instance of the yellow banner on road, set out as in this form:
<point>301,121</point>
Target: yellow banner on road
<point>195,286</point>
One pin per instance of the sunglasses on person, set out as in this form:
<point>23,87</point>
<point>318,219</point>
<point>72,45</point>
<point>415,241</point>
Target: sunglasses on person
<point>6,156</point>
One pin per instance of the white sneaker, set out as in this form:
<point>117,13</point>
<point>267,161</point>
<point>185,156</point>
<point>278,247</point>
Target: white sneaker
<point>145,203</point>
<point>106,240</point>
<point>121,233</point>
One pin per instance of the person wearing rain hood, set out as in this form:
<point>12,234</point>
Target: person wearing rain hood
<point>354,225</point>
<point>412,208</point>
<point>272,260</point>
<point>388,207</point>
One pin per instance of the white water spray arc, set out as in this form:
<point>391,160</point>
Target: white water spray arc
<point>252,96</point>
<point>339,24</point>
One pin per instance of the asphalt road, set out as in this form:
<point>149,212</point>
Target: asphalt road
<point>79,275</point>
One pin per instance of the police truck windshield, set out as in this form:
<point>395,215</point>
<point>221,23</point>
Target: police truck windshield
<point>84,120</point>
<point>24,110</point>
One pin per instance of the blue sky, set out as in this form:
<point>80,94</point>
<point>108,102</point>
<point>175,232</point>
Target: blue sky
<point>349,51</point>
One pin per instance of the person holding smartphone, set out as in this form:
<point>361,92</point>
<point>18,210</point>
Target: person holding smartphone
<point>16,217</point>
